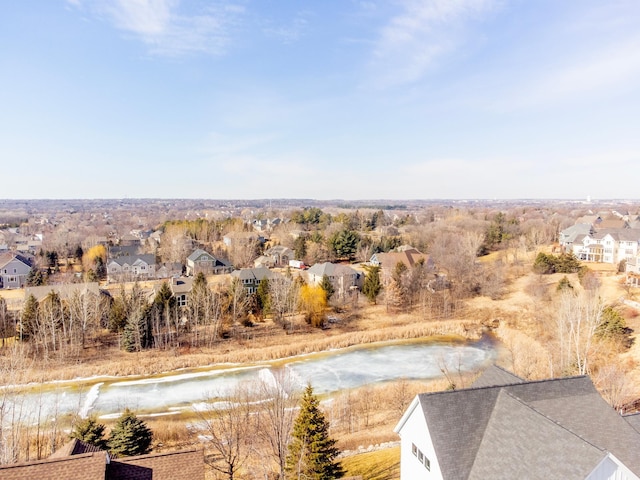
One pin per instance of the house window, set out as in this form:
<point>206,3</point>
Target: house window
<point>422,458</point>
<point>15,270</point>
<point>181,300</point>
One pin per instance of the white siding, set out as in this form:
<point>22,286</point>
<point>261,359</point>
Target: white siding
<point>611,469</point>
<point>415,431</point>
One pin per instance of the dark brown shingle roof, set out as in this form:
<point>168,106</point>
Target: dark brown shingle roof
<point>87,466</point>
<point>184,465</point>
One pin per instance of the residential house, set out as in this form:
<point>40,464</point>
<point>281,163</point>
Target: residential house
<point>131,268</point>
<point>181,289</point>
<point>343,278</point>
<point>592,219</point>
<point>410,257</point>
<point>505,428</point>
<point>252,277</point>
<point>574,234</point>
<point>632,270</point>
<point>169,269</point>
<point>201,261</point>
<point>14,269</point>
<point>264,261</point>
<point>608,246</point>
<point>279,255</point>
<point>78,460</point>
<point>129,240</point>
<point>613,222</point>
<point>64,291</point>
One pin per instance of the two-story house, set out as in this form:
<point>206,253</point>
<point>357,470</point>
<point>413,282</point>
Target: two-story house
<point>343,278</point>
<point>130,268</point>
<point>14,269</point>
<point>607,246</point>
<point>201,261</point>
<point>252,277</point>
<point>410,257</point>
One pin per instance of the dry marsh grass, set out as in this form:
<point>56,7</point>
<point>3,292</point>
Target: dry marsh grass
<point>265,342</point>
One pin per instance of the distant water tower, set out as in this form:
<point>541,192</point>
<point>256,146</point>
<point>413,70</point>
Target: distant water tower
<point>588,198</point>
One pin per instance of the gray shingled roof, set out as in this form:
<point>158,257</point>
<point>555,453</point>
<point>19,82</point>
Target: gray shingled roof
<point>194,256</point>
<point>330,269</point>
<point>148,258</point>
<point>259,273</point>
<point>65,291</point>
<point>540,447</point>
<point>559,418</point>
<point>633,420</point>
<point>494,376</point>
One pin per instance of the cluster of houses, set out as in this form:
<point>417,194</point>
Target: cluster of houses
<point>612,239</point>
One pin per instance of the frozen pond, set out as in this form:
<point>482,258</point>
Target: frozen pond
<point>328,372</point>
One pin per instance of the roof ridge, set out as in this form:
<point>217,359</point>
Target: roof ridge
<point>527,382</point>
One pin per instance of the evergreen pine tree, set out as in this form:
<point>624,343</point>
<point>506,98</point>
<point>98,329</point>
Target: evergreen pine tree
<point>372,286</point>
<point>327,286</point>
<point>90,431</point>
<point>130,436</point>
<point>263,300</point>
<point>29,318</point>
<point>312,453</point>
<point>35,278</point>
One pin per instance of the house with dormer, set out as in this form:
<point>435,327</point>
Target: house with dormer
<point>505,428</point>
<point>608,246</point>
<point>131,268</point>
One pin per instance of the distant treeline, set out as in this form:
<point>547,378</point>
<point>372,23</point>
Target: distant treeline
<point>12,222</point>
<point>373,206</point>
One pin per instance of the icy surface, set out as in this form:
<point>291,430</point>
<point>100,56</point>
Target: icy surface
<point>327,372</point>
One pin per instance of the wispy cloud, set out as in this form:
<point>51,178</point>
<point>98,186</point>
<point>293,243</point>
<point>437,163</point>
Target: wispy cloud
<point>289,33</point>
<point>166,27</point>
<point>610,70</point>
<point>414,40</point>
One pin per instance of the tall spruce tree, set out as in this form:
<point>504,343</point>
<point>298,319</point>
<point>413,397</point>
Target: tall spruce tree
<point>130,436</point>
<point>312,452</point>
<point>90,431</point>
<point>372,286</point>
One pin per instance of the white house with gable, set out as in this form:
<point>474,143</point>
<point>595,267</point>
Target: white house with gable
<point>504,428</point>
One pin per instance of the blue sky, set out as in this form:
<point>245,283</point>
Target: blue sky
<point>331,99</point>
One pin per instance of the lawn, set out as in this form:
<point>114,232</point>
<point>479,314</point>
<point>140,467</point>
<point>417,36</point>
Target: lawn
<point>380,465</point>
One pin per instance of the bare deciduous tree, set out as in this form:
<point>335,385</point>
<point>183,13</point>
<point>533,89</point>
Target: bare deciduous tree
<point>577,319</point>
<point>228,426</point>
<point>278,395</point>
